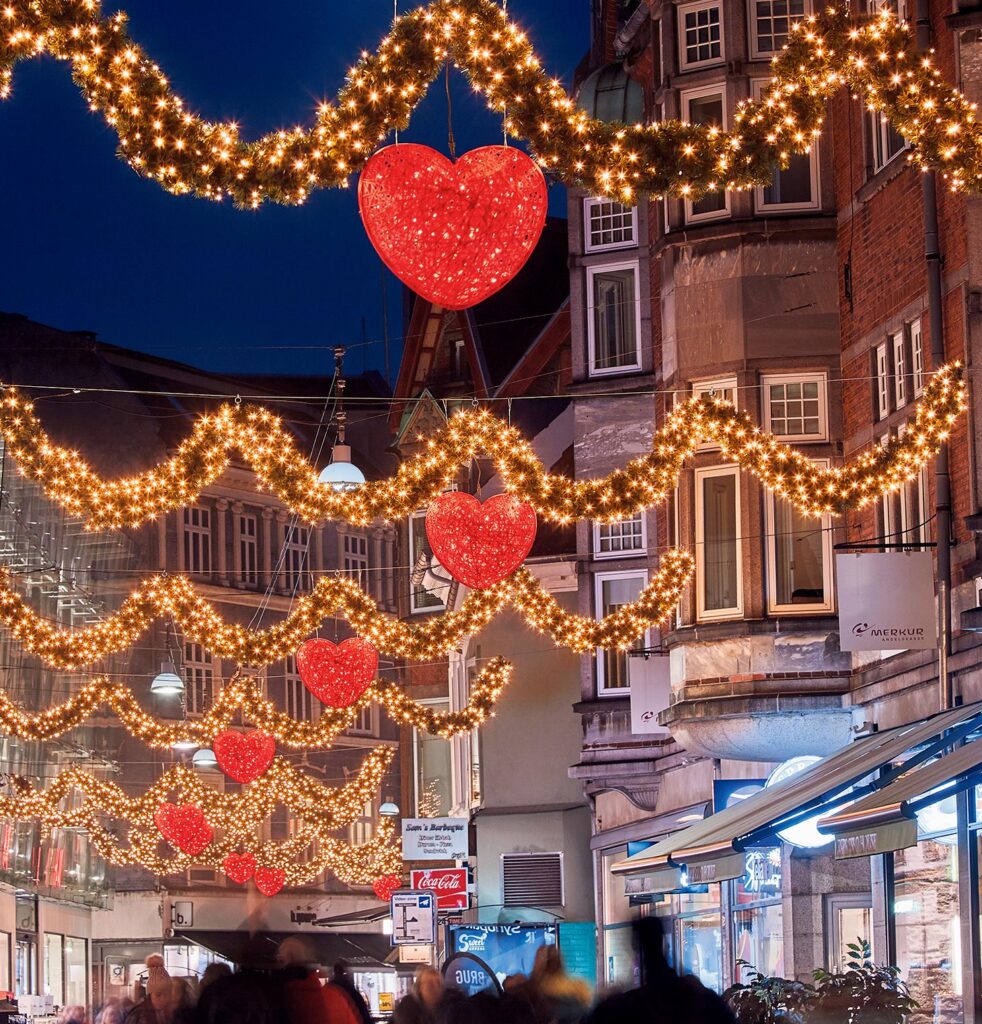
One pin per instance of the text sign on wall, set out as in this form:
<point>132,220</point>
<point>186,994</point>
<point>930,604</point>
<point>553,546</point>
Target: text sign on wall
<point>413,918</point>
<point>886,601</point>
<point>449,884</point>
<point>651,690</point>
<point>434,838</point>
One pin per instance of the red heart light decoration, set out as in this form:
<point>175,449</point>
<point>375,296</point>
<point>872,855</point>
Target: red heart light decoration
<point>337,674</point>
<point>184,826</point>
<point>480,544</point>
<point>269,881</point>
<point>453,232</point>
<point>385,886</point>
<point>244,756</point>
<point>240,867</point>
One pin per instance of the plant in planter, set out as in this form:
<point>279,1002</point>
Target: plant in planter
<point>763,1000</point>
<point>861,994</point>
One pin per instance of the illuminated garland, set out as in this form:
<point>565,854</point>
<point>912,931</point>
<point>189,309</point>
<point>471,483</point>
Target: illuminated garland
<point>162,140</point>
<point>201,623</point>
<point>261,441</point>
<point>243,694</point>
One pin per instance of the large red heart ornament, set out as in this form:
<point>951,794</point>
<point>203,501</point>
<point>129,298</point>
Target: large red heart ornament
<point>453,232</point>
<point>337,674</point>
<point>385,886</point>
<point>240,867</point>
<point>269,881</point>
<point>244,756</point>
<point>184,826</point>
<point>480,544</point>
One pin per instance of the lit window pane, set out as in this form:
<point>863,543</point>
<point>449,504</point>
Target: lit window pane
<point>719,547</point>
<point>615,319</point>
<point>799,556</point>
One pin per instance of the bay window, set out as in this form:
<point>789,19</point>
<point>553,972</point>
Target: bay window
<point>719,561</point>
<point>770,24</point>
<point>613,318</point>
<point>706,107</point>
<point>613,590</point>
<point>799,559</point>
<point>427,590</point>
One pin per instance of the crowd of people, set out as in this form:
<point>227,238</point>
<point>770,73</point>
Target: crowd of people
<point>292,991</point>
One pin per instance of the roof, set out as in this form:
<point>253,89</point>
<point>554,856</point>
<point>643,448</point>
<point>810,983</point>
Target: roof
<point>611,94</point>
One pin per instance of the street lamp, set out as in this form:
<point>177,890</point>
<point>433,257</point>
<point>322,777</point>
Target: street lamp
<point>204,758</point>
<point>389,810</point>
<point>341,474</point>
<point>167,683</point>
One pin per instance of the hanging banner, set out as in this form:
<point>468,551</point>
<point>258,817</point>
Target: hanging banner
<point>651,691</point>
<point>886,601</point>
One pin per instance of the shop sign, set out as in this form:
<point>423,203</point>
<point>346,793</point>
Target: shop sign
<point>730,792</point>
<point>896,835</point>
<point>182,914</point>
<point>470,974</point>
<point>449,884</point>
<point>413,918</point>
<point>763,872</point>
<point>719,870</point>
<point>666,879</point>
<point>502,948</point>
<point>651,690</point>
<point>386,1002</point>
<point>416,954</point>
<point>117,974</point>
<point>434,838</point>
<point>886,601</point>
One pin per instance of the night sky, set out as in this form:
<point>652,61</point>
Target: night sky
<point>87,244</point>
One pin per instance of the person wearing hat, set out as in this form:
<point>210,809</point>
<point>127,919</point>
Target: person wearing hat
<point>155,1008</point>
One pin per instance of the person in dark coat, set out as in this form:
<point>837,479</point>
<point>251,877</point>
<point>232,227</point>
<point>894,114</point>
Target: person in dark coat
<point>341,977</point>
<point>664,997</point>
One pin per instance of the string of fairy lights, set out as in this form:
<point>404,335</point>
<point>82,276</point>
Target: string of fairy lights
<point>160,138</point>
<point>260,438</point>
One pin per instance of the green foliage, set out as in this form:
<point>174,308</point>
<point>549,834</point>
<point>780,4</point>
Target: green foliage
<point>763,1000</point>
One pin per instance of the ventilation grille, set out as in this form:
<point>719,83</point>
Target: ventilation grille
<point>532,879</point>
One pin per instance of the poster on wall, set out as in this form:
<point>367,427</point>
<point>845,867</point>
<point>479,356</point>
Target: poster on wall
<point>434,838</point>
<point>503,949</point>
<point>651,691</point>
<point>886,601</point>
<point>449,884</point>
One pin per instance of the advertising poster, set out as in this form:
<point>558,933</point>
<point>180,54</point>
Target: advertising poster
<point>503,949</point>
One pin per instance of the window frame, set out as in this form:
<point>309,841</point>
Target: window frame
<point>756,53</point>
<point>207,665</point>
<point>248,576</point>
<point>758,86</point>
<point>680,12</point>
<point>413,555</point>
<point>716,614</point>
<point>625,553</point>
<point>898,346</point>
<point>770,539</point>
<point>202,533</point>
<point>599,578</point>
<point>685,98</point>
<point>293,687</point>
<point>916,356</point>
<point>767,380</point>
<point>588,246</point>
<point>442,704</point>
<point>707,387</point>
<point>878,128</point>
<point>881,365</point>
<point>591,273</point>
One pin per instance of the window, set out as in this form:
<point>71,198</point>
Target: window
<point>627,537</point>
<point>700,35</point>
<point>428,585</point>
<point>899,343</point>
<point>848,919</point>
<point>758,919</point>
<point>362,829</point>
<point>249,549</point>
<point>917,356</point>
<point>699,936</point>
<point>199,670</point>
<point>886,509</point>
<point>356,558</point>
<point>794,187</point>
<point>614,589</point>
<point>706,107</point>
<point>365,723</point>
<point>76,972</point>
<point>54,967</point>
<point>799,559</point>
<point>613,318</point>
<point>532,879</point>
<point>609,225</point>
<point>881,373</point>
<point>719,562</point>
<point>771,21</point>
<point>197,539</point>
<point>885,141</point>
<point>296,542</point>
<point>300,702</point>
<point>914,527</point>
<point>433,769</point>
<point>723,388</point>
<point>795,406</point>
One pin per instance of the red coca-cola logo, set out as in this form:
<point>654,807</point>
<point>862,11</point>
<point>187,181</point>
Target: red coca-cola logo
<point>450,885</point>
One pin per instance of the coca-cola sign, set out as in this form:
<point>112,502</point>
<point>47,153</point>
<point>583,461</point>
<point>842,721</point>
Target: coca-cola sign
<point>449,884</point>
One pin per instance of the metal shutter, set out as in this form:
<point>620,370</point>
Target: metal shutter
<point>532,879</point>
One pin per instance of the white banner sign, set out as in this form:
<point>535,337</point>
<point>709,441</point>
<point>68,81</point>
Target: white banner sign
<point>886,601</point>
<point>434,838</point>
<point>651,690</point>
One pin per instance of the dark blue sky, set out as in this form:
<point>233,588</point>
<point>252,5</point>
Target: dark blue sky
<point>89,245</point>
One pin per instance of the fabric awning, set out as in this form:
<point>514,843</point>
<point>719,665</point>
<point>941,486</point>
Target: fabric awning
<point>886,819</point>
<point>707,848</point>
<point>363,952</point>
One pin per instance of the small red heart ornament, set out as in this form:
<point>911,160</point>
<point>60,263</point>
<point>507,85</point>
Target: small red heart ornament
<point>269,881</point>
<point>184,826</point>
<point>244,756</point>
<point>453,232</point>
<point>480,544</point>
<point>337,674</point>
<point>240,867</point>
<point>385,886</point>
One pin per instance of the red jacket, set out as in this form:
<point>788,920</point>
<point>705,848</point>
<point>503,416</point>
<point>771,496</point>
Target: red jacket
<point>310,1002</point>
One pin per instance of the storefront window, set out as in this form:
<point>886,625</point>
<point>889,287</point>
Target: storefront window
<point>5,962</point>
<point>54,967</point>
<point>700,945</point>
<point>758,917</point>
<point>620,961</point>
<point>926,923</point>
<point>76,971</point>
<point>433,764</point>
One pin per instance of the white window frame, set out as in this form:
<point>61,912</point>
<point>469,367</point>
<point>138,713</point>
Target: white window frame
<point>355,563</point>
<point>441,704</point>
<point>627,552</point>
<point>588,246</point>
<point>759,87</point>
<point>898,342</point>
<point>365,723</point>
<point>296,556</point>
<point>598,581</point>
<point>441,597</point>
<point>196,539</point>
<point>708,387</point>
<point>702,613</point>
<point>680,13</point>
<point>591,273</point>
<point>879,129</point>
<point>821,378</point>
<point>881,361</point>
<point>888,508</point>
<point>199,665</point>
<point>917,356</point>
<point>755,49</point>
<point>770,529</point>
<point>248,543</point>
<point>685,98</point>
<point>300,703</point>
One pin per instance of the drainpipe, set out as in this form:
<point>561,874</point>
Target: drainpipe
<point>942,479</point>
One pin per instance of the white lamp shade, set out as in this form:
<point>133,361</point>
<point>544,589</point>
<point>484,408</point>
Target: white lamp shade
<point>342,474</point>
<point>167,682</point>
<point>204,758</point>
<point>389,810</point>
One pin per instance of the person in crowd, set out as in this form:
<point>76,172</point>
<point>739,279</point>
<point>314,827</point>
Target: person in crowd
<point>341,977</point>
<point>247,997</point>
<point>73,1015</point>
<point>213,972</point>
<point>424,1004</point>
<point>154,1008</point>
<point>663,997</point>
<point>113,1011</point>
<point>556,997</point>
<point>306,1000</point>
<point>180,1004</point>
